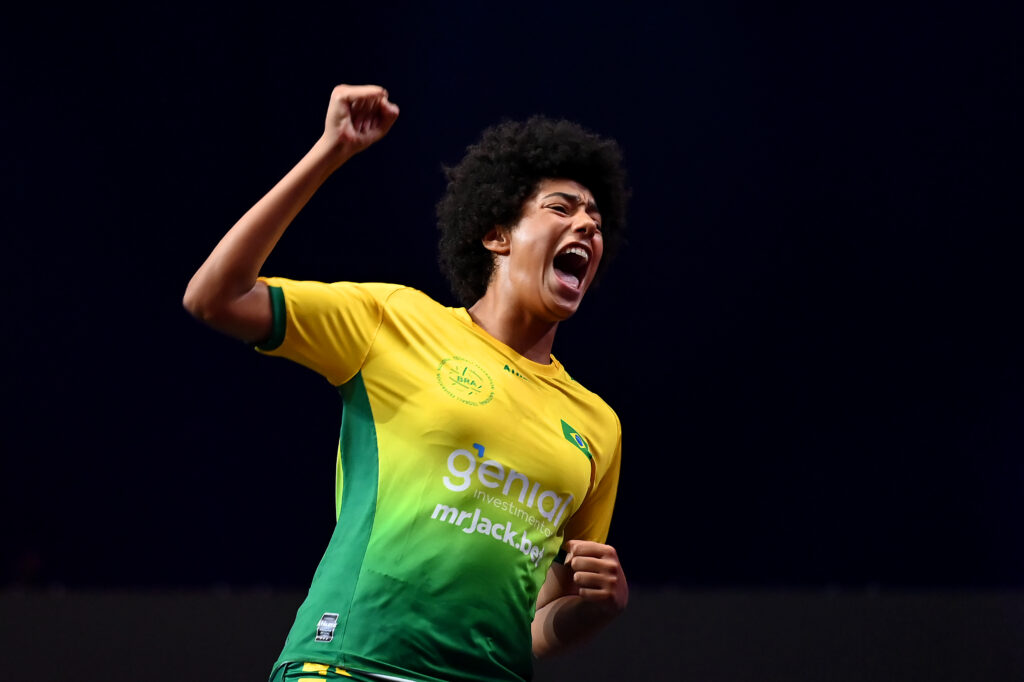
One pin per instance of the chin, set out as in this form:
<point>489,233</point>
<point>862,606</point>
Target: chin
<point>561,303</point>
<point>563,311</point>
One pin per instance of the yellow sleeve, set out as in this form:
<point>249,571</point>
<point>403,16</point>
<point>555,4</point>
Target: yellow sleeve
<point>592,520</point>
<point>328,328</point>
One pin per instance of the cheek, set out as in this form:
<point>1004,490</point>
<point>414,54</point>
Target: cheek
<point>534,252</point>
<point>529,264</point>
<point>598,254</point>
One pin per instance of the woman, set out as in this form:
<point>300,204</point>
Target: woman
<point>476,478</point>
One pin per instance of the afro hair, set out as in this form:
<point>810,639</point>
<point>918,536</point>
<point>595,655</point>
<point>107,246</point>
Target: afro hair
<point>491,183</point>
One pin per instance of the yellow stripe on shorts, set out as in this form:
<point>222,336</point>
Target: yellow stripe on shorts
<point>322,670</point>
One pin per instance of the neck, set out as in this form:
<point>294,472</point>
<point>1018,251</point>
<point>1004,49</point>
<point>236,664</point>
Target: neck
<point>524,333</point>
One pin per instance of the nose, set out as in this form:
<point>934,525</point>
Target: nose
<point>584,224</point>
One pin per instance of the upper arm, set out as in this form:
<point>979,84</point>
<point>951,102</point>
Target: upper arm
<point>332,328</point>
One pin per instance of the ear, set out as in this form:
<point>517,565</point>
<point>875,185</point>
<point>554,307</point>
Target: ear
<point>497,240</point>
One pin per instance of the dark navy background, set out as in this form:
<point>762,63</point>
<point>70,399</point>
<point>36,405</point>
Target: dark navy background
<point>812,338</point>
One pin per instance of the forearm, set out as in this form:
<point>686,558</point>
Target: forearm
<point>224,292</point>
<point>232,267</point>
<point>578,597</point>
<point>567,622</point>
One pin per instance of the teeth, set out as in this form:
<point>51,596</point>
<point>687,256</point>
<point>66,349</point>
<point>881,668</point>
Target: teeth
<point>577,251</point>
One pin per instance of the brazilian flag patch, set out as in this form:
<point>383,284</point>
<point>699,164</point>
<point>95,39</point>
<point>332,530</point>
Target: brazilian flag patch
<point>573,436</point>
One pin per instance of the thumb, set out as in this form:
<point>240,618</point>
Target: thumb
<point>570,551</point>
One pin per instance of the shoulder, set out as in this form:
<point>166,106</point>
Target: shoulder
<point>311,288</point>
<point>592,417</point>
<point>589,397</point>
<point>340,293</point>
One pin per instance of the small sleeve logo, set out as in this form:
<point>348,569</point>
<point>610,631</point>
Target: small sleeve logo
<point>573,436</point>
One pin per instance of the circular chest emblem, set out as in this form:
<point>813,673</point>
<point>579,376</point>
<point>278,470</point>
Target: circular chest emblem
<point>465,381</point>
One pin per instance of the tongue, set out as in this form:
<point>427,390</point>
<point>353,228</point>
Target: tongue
<point>569,278</point>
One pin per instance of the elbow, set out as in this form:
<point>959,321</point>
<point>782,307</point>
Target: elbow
<point>210,311</point>
<point>193,302</point>
<point>190,303</point>
<point>242,317</point>
<point>200,306</point>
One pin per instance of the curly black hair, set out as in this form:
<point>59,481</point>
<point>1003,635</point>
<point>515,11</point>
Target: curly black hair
<point>490,185</point>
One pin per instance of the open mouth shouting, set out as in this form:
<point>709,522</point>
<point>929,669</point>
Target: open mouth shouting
<point>571,264</point>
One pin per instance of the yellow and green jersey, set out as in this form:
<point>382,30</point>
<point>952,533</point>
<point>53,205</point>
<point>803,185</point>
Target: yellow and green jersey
<point>462,468</point>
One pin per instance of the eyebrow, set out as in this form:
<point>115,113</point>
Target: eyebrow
<point>575,198</point>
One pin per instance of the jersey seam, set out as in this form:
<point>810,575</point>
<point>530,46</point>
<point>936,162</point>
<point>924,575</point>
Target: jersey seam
<point>382,311</point>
